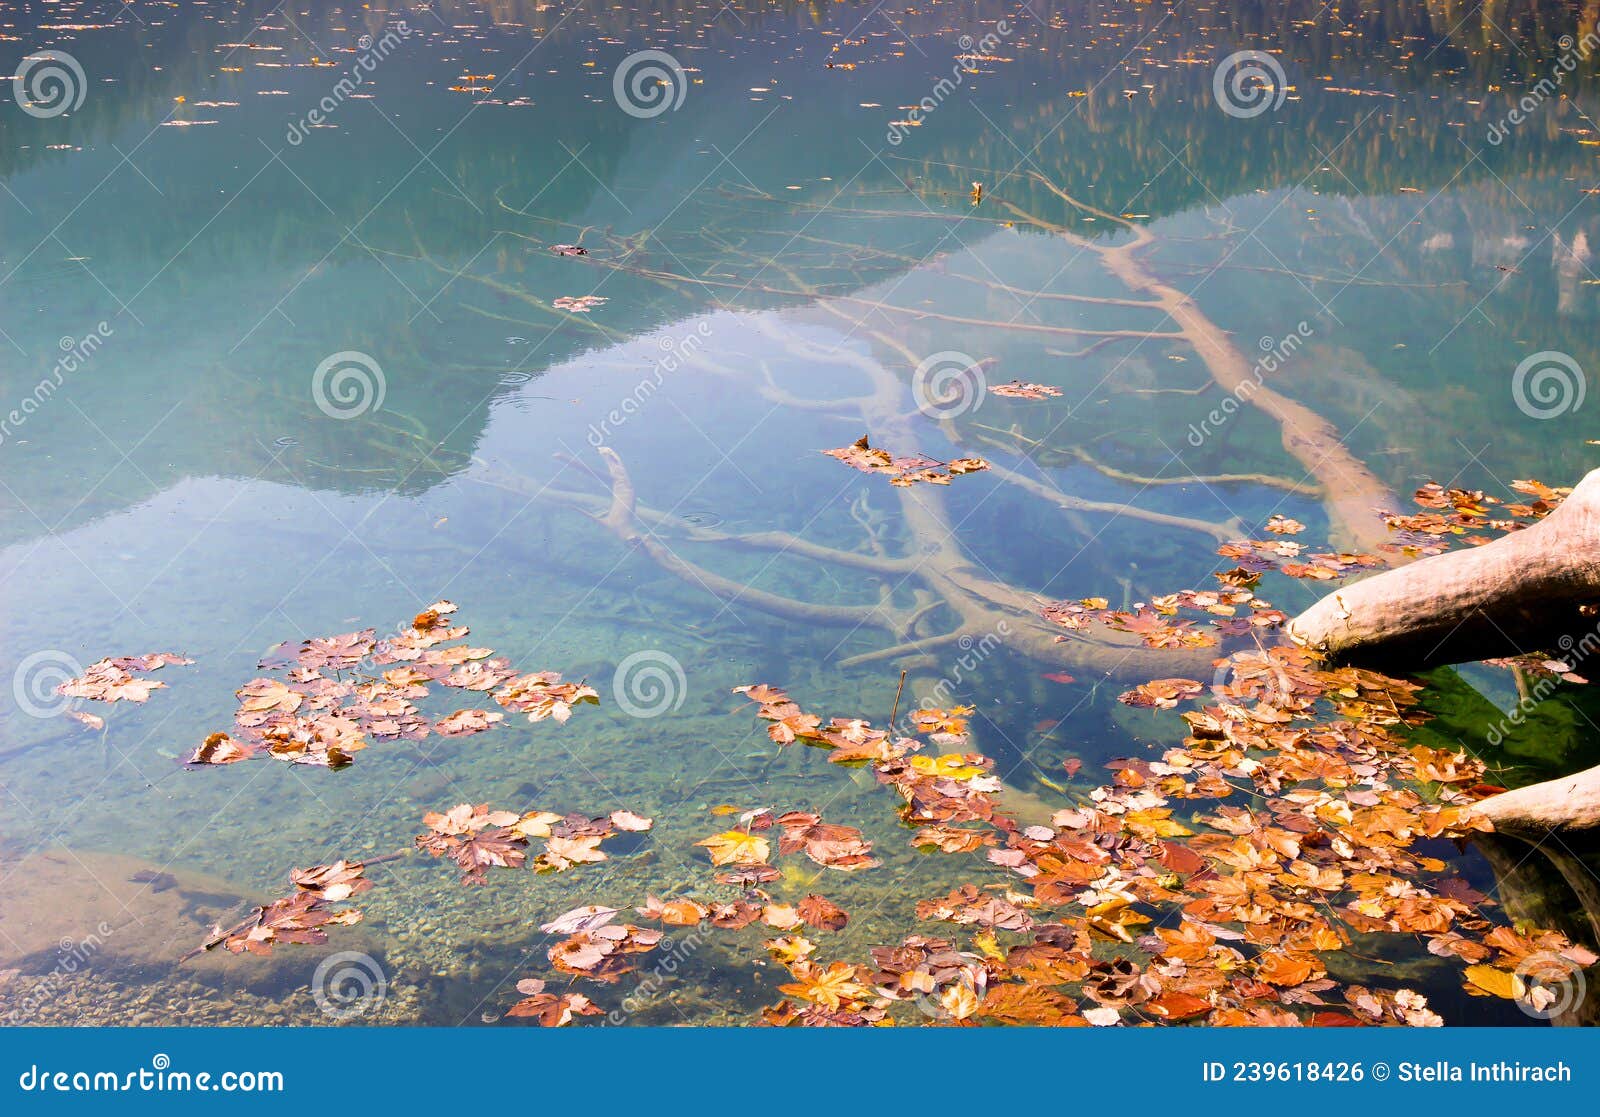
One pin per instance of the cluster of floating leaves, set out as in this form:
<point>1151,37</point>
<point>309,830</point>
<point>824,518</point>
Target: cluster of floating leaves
<point>1156,901</point>
<point>117,680</point>
<point>1234,612</point>
<point>1468,517</point>
<point>1215,884</point>
<point>903,471</point>
<point>477,838</point>
<point>1017,389</point>
<point>301,917</point>
<point>335,693</point>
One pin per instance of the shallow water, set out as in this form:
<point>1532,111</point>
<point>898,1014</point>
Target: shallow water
<point>184,487</point>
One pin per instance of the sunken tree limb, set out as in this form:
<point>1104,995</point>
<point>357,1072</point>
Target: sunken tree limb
<point>1521,593</point>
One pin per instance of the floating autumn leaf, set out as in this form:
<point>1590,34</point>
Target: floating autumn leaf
<point>1283,525</point>
<point>550,1010</point>
<point>580,919</point>
<point>821,913</point>
<point>1161,694</point>
<point>261,695</point>
<point>561,854</point>
<point>219,748</point>
<point>475,838</point>
<point>628,821</point>
<point>569,250</point>
<point>333,882</point>
<point>466,721</point>
<point>579,304</point>
<point>781,917</point>
<point>674,913</point>
<point>340,652</point>
<point>1018,390</point>
<point>833,986</point>
<point>88,721</point>
<point>543,695</point>
<point>737,847</point>
<point>904,470</point>
<point>112,680</point>
<point>828,844</point>
<point>603,953</point>
<point>1030,1005</point>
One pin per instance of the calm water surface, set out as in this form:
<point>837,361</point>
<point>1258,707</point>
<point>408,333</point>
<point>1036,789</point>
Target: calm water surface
<point>261,216</point>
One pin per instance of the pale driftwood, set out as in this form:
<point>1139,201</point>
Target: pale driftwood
<point>1569,805</point>
<point>1521,593</point>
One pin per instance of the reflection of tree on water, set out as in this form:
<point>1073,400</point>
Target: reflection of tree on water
<point>1114,144</point>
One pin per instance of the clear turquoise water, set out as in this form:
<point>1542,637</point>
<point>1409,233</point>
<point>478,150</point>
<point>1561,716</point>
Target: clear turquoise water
<point>181,490</point>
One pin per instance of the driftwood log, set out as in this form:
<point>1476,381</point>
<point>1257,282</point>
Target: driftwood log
<point>1525,592</point>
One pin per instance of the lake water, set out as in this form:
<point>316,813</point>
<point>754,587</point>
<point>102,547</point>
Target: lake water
<point>279,346</point>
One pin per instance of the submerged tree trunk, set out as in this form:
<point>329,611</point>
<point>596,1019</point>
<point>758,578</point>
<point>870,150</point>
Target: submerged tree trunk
<point>1521,593</point>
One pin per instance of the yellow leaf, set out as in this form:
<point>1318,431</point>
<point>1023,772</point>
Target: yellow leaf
<point>952,765</point>
<point>735,847</point>
<point>1496,983</point>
